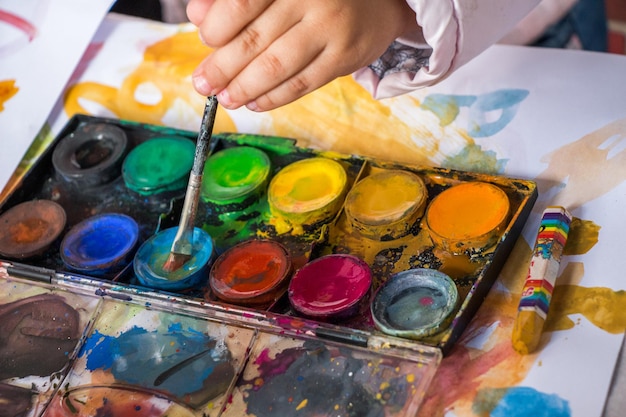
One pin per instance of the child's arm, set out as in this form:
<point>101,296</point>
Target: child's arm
<point>271,52</point>
<point>452,33</point>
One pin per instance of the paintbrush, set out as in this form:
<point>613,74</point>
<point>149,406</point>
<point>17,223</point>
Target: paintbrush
<point>182,246</point>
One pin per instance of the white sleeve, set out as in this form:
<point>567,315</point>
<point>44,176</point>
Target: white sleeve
<point>452,33</point>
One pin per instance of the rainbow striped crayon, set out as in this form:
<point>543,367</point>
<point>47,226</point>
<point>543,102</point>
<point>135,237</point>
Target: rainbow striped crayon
<point>539,284</point>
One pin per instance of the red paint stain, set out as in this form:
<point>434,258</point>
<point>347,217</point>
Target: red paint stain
<point>19,23</point>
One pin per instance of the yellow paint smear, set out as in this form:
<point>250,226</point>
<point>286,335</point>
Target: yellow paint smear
<point>386,197</point>
<point>602,306</point>
<point>583,235</point>
<point>471,213</point>
<point>166,71</point>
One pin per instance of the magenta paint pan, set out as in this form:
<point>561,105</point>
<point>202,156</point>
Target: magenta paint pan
<point>92,155</point>
<point>29,228</point>
<point>100,244</point>
<point>330,287</point>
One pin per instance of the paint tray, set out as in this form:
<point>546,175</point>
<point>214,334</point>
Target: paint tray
<point>130,346</point>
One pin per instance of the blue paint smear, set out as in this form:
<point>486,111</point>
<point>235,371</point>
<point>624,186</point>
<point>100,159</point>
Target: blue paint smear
<point>502,103</point>
<point>527,402</point>
<point>140,357</point>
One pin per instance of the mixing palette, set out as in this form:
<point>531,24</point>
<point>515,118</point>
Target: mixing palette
<point>320,283</point>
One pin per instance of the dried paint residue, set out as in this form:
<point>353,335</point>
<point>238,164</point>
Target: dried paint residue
<point>163,362</point>
<point>314,380</point>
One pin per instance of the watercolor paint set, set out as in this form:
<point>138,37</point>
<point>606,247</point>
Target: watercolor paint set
<point>319,283</point>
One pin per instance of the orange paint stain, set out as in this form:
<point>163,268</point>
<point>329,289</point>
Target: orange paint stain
<point>158,90</point>
<point>7,90</point>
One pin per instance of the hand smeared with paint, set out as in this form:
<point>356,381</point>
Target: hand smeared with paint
<point>271,52</point>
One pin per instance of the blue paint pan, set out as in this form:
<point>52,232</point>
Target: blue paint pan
<point>100,244</point>
<point>415,303</point>
<point>153,253</point>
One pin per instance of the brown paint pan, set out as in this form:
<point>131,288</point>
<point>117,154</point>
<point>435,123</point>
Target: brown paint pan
<point>28,229</point>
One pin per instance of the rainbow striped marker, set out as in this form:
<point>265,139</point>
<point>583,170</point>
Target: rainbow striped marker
<point>542,273</point>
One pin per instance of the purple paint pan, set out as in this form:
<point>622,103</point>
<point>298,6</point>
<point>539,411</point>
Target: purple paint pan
<point>330,287</point>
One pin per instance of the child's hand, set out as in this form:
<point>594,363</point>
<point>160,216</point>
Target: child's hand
<point>271,52</point>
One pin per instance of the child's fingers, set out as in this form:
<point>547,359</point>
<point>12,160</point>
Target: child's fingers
<point>225,19</point>
<point>286,56</point>
<point>225,63</point>
<point>197,10</point>
<point>317,74</point>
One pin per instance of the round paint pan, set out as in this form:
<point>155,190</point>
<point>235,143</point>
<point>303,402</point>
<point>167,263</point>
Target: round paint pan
<point>467,216</point>
<point>153,253</point>
<point>252,272</point>
<point>100,244</point>
<point>29,228</point>
<point>116,400</point>
<point>386,204</point>
<point>414,303</point>
<point>92,155</point>
<point>330,287</point>
<point>159,165</point>
<point>232,175</point>
<point>307,191</point>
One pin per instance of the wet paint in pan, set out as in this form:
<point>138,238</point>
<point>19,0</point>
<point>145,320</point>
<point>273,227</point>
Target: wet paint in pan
<point>153,253</point>
<point>330,287</point>
<point>415,303</point>
<point>386,204</point>
<point>306,192</point>
<point>234,174</point>
<point>159,165</point>
<point>92,155</point>
<point>251,272</point>
<point>100,244</point>
<point>29,228</point>
<point>468,216</point>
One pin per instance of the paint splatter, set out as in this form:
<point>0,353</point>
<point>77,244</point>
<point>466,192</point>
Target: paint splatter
<point>7,90</point>
<point>473,159</point>
<point>519,402</point>
<point>591,166</point>
<point>489,113</point>
<point>603,307</point>
<point>185,363</point>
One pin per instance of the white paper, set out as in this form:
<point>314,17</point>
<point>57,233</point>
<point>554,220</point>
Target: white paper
<point>41,42</point>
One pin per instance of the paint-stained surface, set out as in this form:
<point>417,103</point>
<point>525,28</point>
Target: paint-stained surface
<point>515,120</point>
